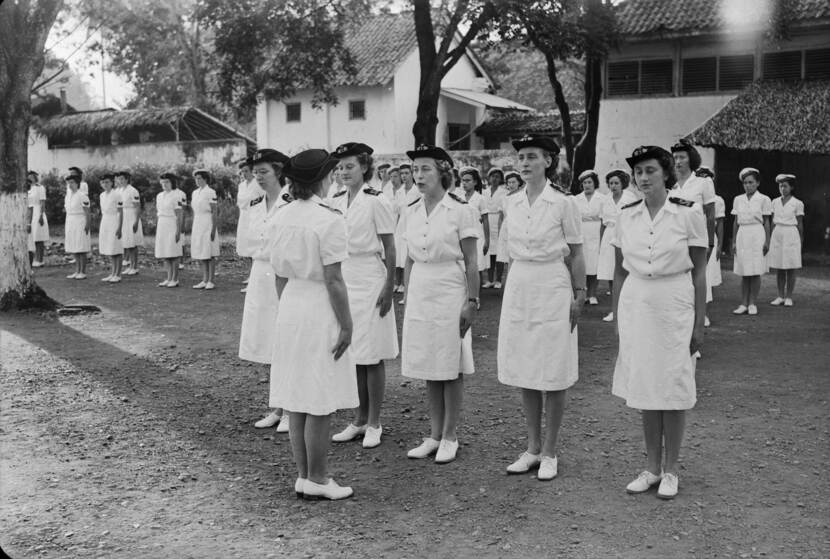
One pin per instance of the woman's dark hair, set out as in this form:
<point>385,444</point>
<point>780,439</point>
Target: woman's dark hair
<point>691,151</point>
<point>365,160</point>
<point>204,174</point>
<point>620,174</point>
<point>593,176</point>
<point>303,190</point>
<point>476,176</point>
<point>790,182</point>
<point>666,162</point>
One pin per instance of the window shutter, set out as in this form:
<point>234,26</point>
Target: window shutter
<point>736,72</point>
<point>623,78</point>
<point>782,65</point>
<point>817,64</point>
<point>699,74</point>
<point>656,76</point>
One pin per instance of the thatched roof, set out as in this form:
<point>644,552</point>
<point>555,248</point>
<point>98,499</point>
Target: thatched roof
<point>173,124</point>
<point>772,116</point>
<point>513,123</point>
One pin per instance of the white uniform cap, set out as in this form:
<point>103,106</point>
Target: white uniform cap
<point>747,170</point>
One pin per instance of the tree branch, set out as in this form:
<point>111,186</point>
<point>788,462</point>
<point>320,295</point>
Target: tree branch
<point>487,12</point>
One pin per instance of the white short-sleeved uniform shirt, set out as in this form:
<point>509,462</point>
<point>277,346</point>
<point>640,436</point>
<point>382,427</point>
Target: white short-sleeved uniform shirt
<point>82,187</point>
<point>130,197</point>
<point>696,189</point>
<point>476,202</point>
<point>262,223</point>
<point>494,200</point>
<point>541,232</point>
<point>203,199</point>
<point>720,207</point>
<point>36,194</point>
<point>611,209</point>
<point>247,192</point>
<point>787,214</point>
<point>77,203</point>
<point>590,210</point>
<point>659,247</point>
<point>307,235</point>
<point>750,211</point>
<point>110,202</point>
<point>370,214</point>
<point>437,237</point>
<point>167,203</point>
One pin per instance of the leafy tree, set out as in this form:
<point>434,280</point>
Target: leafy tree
<point>436,61</point>
<point>24,26</point>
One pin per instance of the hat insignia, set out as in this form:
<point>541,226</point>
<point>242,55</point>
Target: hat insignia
<point>342,148</point>
<point>422,147</point>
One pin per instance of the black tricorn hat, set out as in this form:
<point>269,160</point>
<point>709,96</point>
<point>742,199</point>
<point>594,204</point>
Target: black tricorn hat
<point>309,166</point>
<point>530,141</point>
<point>351,148</point>
<point>267,155</point>
<point>647,152</point>
<point>430,151</point>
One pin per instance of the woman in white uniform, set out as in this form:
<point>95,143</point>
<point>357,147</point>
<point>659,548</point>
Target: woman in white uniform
<point>204,238</point>
<point>77,242</point>
<point>543,298</point>
<point>38,224</point>
<point>619,195</point>
<point>256,339</point>
<point>693,187</point>
<point>369,274</point>
<point>471,189</point>
<point>590,202</point>
<point>169,229</point>
<point>714,277</point>
<point>132,233</point>
<point>312,373</point>
<point>512,182</point>
<point>403,199</point>
<point>786,239</point>
<point>494,197</point>
<point>750,238</point>
<point>441,297</point>
<point>247,191</point>
<point>109,231</point>
<point>660,302</point>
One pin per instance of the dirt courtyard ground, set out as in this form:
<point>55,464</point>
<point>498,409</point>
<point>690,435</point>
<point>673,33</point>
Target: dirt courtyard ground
<point>129,434</point>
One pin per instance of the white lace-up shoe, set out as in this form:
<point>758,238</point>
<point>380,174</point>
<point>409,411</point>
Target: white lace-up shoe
<point>643,482</point>
<point>351,432</point>
<point>372,437</point>
<point>548,468</point>
<point>424,449</point>
<point>668,487</point>
<point>524,464</point>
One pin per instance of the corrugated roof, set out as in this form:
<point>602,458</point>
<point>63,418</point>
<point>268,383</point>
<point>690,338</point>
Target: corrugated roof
<point>693,17</point>
<point>379,45</point>
<point>772,116</point>
<point>516,123</point>
<point>486,99</point>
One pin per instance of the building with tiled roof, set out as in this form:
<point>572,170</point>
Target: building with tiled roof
<point>712,68</point>
<point>377,104</point>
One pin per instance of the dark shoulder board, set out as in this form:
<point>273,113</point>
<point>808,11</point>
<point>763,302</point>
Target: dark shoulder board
<point>257,201</point>
<point>516,191</point>
<point>560,188</point>
<point>632,204</point>
<point>287,197</point>
<point>415,201</point>
<point>338,212</point>
<point>681,201</point>
<point>341,193</point>
<point>372,191</point>
<point>457,198</point>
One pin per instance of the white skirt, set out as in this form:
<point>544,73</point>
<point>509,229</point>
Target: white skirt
<point>128,238</point>
<point>166,245</point>
<point>713,272</point>
<point>243,242</point>
<point>483,259</point>
<point>373,338</point>
<point>401,251</point>
<point>537,349</point>
<point>432,348</point>
<point>108,243</point>
<point>256,340</point>
<point>494,233</point>
<point>76,239</point>
<point>201,247</point>
<point>590,246</point>
<point>304,375</point>
<point>784,248</point>
<point>749,244</point>
<point>501,249</point>
<point>655,319</point>
<point>607,256</point>
<point>40,233</point>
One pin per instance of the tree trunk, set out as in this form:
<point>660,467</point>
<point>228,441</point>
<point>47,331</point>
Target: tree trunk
<point>426,117</point>
<point>585,154</point>
<point>564,109</point>
<point>24,27</point>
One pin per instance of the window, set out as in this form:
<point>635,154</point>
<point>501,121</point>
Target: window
<point>293,112</point>
<point>700,74</point>
<point>459,136</point>
<point>736,72</point>
<point>357,110</point>
<point>646,77</point>
<point>817,64</point>
<point>782,65</point>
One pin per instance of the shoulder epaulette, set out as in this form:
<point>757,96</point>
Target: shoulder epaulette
<point>372,191</point>
<point>632,204</point>
<point>415,201</point>
<point>341,193</point>
<point>338,212</point>
<point>257,201</point>
<point>515,191</point>
<point>681,201</point>
<point>287,197</point>
<point>457,198</point>
<point>560,188</point>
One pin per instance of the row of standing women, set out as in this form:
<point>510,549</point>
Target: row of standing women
<point>332,266</point>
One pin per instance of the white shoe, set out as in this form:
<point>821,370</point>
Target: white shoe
<point>497,285</point>
<point>524,464</point>
<point>268,421</point>
<point>80,276</point>
<point>423,450</point>
<point>115,279</point>
<point>752,309</point>
<point>593,301</point>
<point>209,285</point>
<point>446,451</point>
<point>37,264</point>
<point>643,482</point>
<point>350,433</point>
<point>243,290</point>
<point>70,261</point>
<point>181,266</point>
<point>246,280</point>
<point>72,276</point>
<point>788,302</point>
<point>668,487</point>
<point>706,323</point>
<point>108,278</point>
<point>162,284</point>
<point>330,491</point>
<point>200,285</point>
<point>487,285</point>
<point>372,437</point>
<point>740,310</point>
<point>548,468</point>
<point>777,301</point>
<point>284,422</point>
<point>130,272</point>
<point>172,284</point>
<point>299,487</point>
<point>608,317</point>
